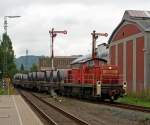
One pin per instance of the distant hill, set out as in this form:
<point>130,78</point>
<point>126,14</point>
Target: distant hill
<point>27,61</point>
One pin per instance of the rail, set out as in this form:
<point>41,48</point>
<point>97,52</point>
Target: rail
<point>76,119</point>
<point>42,113</point>
<point>117,105</point>
<point>131,107</point>
<point>47,117</point>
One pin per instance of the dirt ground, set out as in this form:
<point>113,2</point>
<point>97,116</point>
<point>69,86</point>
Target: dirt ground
<point>97,114</point>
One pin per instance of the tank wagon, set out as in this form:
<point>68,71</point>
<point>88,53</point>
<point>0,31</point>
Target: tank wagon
<point>92,78</point>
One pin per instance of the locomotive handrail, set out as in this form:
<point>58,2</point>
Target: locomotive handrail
<point>90,78</point>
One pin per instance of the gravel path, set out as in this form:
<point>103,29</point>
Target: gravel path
<point>97,114</point>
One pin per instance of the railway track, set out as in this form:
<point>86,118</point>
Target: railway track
<point>118,105</point>
<point>52,114</point>
<point>121,105</point>
<point>129,106</point>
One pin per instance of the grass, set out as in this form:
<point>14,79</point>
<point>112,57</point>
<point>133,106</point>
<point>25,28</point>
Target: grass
<point>140,99</point>
<point>3,91</point>
<point>134,101</point>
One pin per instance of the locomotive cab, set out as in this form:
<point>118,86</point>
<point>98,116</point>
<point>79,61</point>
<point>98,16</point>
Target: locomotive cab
<point>113,81</point>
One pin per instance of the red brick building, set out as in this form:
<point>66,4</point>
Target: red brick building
<point>130,49</point>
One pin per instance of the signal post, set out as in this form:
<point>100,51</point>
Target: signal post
<point>94,38</point>
<point>53,34</point>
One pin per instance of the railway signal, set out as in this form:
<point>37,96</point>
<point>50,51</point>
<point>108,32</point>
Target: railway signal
<point>53,34</point>
<point>94,38</point>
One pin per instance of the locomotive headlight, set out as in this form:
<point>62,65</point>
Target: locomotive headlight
<point>109,67</point>
<point>125,87</point>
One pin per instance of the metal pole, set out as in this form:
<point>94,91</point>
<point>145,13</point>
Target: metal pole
<point>26,59</point>
<point>6,60</point>
<point>53,35</point>
<point>5,24</point>
<point>93,44</point>
<point>52,49</point>
<point>8,82</point>
<point>5,49</point>
<point>4,65</point>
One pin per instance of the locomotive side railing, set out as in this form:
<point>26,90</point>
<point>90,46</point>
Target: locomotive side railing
<point>92,79</point>
<point>110,78</point>
<point>86,78</point>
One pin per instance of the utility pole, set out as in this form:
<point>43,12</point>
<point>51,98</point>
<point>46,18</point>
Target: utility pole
<point>94,38</point>
<point>53,34</point>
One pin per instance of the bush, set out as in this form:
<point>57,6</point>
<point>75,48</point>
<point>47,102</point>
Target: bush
<point>2,91</point>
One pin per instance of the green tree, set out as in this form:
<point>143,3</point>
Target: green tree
<point>7,64</point>
<point>34,68</point>
<point>1,60</point>
<point>22,68</point>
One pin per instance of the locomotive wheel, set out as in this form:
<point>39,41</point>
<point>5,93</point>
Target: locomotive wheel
<point>112,98</point>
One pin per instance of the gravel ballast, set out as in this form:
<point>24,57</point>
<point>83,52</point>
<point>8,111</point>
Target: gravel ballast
<point>97,114</point>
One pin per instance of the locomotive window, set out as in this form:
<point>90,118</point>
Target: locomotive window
<point>90,63</point>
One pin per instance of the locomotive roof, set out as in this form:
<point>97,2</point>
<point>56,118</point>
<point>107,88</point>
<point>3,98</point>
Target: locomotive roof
<point>101,54</point>
<point>142,18</point>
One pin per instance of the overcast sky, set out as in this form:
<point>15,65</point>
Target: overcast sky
<point>78,17</point>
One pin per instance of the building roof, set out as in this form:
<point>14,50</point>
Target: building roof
<point>81,59</point>
<point>138,13</point>
<point>86,58</point>
<point>62,57</point>
<point>60,62</point>
<point>142,18</point>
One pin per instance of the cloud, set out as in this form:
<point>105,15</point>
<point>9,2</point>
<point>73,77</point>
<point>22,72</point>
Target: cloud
<point>78,17</point>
